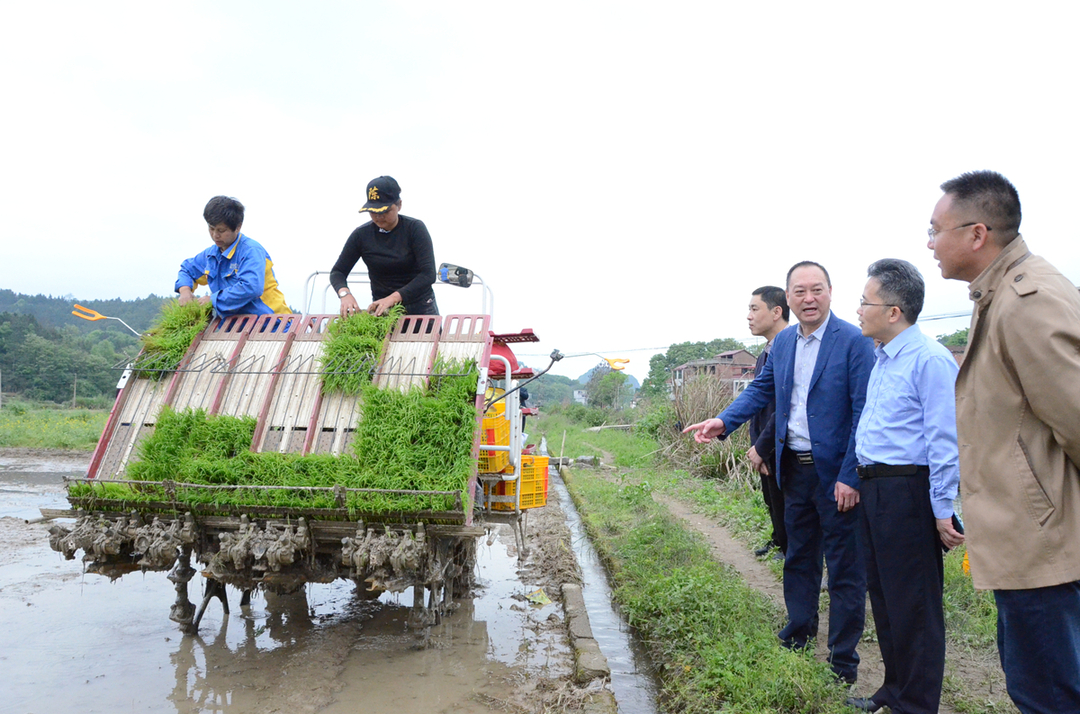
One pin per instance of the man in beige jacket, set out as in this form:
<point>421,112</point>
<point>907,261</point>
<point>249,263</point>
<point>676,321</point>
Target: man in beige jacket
<point>1018,428</point>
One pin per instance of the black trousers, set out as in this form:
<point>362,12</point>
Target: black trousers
<point>774,502</point>
<point>904,578</point>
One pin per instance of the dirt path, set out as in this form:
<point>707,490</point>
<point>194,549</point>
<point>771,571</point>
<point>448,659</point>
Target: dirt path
<point>758,576</point>
<point>980,677</point>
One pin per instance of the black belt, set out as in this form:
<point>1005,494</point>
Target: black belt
<point>884,470</point>
<point>805,458</point>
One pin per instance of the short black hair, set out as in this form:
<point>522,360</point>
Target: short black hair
<point>224,209</point>
<point>901,285</point>
<point>992,198</point>
<point>774,297</point>
<point>808,264</point>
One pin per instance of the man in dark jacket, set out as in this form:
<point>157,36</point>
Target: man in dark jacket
<point>768,315</point>
<point>816,374</point>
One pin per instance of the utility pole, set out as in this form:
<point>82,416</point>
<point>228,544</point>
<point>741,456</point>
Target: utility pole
<point>74,390</point>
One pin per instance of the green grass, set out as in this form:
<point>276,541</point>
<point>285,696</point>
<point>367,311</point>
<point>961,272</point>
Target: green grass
<point>30,427</point>
<point>733,499</point>
<point>970,614</point>
<point>628,448</point>
<point>713,637</point>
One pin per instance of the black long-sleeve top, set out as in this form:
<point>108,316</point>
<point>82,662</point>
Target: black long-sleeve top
<point>401,260</point>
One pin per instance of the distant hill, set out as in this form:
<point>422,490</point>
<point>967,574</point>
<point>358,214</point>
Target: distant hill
<point>55,312</point>
<point>630,379</point>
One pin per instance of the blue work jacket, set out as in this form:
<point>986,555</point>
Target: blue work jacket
<point>241,279</point>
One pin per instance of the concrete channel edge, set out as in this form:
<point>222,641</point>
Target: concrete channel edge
<point>589,662</point>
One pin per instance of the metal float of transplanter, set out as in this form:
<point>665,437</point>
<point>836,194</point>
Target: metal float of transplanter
<point>268,367</point>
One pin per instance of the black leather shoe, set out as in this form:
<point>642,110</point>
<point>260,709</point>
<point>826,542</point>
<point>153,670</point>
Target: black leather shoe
<point>862,704</point>
<point>763,550</point>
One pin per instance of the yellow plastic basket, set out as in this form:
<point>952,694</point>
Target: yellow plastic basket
<point>534,485</point>
<point>496,432</point>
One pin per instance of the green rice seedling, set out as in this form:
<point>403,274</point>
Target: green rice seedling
<point>168,340</point>
<point>351,349</point>
<point>420,440</point>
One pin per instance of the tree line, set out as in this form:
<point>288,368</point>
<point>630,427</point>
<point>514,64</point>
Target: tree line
<point>47,354</point>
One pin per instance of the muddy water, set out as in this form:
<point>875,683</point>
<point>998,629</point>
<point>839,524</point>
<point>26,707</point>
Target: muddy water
<point>74,642</point>
<point>633,685</point>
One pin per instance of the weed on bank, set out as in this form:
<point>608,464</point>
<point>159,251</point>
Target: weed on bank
<point>717,481</point>
<point>26,426</point>
<point>712,636</point>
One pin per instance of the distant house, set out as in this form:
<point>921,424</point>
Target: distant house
<point>580,397</point>
<point>958,353</point>
<point>734,366</point>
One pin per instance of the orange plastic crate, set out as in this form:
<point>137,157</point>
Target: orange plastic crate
<point>534,485</point>
<point>496,431</point>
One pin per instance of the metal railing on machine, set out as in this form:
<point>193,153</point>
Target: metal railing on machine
<point>446,277</point>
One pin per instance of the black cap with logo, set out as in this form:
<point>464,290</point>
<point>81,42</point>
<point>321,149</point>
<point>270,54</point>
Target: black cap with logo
<point>382,193</point>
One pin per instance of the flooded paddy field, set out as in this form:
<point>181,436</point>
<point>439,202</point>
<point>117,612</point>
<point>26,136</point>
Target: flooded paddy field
<point>75,642</point>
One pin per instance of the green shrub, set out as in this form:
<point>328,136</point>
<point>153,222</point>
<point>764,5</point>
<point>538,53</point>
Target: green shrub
<point>656,417</point>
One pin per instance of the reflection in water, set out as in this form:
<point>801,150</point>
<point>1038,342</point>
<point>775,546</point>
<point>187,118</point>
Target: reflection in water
<point>290,649</point>
<point>201,660</point>
<point>76,642</point>
<point>326,649</point>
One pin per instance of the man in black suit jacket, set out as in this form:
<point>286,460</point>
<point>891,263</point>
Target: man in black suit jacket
<point>768,315</point>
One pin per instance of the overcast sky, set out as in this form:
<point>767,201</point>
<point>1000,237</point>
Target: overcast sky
<point>621,174</point>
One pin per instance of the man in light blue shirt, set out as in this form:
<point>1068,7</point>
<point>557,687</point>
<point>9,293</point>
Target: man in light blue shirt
<point>908,478</point>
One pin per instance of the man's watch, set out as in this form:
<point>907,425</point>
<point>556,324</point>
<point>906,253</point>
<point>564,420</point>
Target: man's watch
<point>343,292</point>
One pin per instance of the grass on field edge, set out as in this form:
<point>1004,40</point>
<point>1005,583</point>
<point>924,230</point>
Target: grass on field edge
<point>28,426</point>
<point>712,636</point>
<point>970,615</point>
<point>725,489</point>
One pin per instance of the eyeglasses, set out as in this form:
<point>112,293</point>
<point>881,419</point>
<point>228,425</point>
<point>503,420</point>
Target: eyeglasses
<point>863,303</point>
<point>932,233</point>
